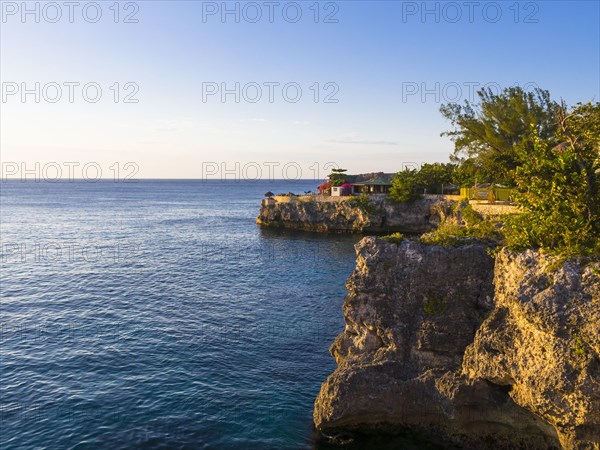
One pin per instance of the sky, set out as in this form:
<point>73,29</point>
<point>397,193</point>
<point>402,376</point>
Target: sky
<point>248,90</point>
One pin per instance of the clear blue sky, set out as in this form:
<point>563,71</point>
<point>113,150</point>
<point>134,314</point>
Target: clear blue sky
<point>377,54</point>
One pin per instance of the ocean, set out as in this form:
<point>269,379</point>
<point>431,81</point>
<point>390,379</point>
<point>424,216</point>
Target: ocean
<point>157,314</point>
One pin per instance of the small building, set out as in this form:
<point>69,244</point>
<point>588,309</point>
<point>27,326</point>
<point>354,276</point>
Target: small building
<point>341,191</point>
<point>377,185</point>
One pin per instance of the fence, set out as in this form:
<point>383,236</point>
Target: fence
<point>495,194</point>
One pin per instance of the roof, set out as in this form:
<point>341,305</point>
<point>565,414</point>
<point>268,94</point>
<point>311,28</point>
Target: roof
<point>360,178</point>
<point>378,181</point>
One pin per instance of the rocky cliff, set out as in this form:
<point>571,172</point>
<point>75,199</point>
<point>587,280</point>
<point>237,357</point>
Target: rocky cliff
<point>485,354</point>
<point>377,215</point>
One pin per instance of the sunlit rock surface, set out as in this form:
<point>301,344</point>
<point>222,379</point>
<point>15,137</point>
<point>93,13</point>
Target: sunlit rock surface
<point>381,215</point>
<point>486,355</point>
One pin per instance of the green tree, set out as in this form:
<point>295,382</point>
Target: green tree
<point>467,172</point>
<point>558,186</point>
<point>406,186</point>
<point>338,177</point>
<point>488,132</point>
<point>431,177</point>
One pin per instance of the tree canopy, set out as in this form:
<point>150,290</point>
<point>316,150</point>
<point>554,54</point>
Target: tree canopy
<point>486,134</point>
<point>559,186</point>
<point>405,186</point>
<point>409,184</point>
<point>433,177</point>
<point>338,177</point>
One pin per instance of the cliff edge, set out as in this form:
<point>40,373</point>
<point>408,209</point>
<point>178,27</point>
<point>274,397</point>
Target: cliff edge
<point>376,215</point>
<point>483,353</point>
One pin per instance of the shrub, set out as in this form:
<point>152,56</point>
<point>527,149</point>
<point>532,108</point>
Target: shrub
<point>405,187</point>
<point>559,188</point>
<point>363,201</point>
<point>394,238</point>
<point>469,215</point>
<point>447,235</point>
<point>471,225</point>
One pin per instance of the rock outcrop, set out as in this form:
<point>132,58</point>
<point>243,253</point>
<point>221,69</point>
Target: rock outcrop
<point>542,342</point>
<point>431,346</point>
<point>378,216</point>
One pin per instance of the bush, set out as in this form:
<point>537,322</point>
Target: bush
<point>466,226</point>
<point>363,201</point>
<point>431,177</point>
<point>559,188</point>
<point>447,235</point>
<point>469,215</point>
<point>409,184</point>
<point>394,238</point>
<point>405,187</point>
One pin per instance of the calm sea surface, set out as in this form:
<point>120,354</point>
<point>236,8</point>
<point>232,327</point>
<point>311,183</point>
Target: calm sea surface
<point>156,314</point>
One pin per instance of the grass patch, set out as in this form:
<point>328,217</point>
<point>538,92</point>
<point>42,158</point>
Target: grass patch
<point>464,226</point>
<point>394,238</point>
<point>308,200</point>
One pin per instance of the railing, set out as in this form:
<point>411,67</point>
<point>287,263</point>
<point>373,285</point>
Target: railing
<point>493,194</point>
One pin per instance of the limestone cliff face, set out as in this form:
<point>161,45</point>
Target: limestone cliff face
<point>430,345</point>
<point>380,215</point>
<point>542,342</point>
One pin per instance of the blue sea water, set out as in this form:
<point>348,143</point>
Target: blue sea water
<point>157,314</point>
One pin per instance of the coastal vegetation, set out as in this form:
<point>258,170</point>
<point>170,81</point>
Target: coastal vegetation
<point>337,177</point>
<point>394,238</point>
<point>434,304</point>
<point>405,186</point>
<point>487,135</point>
<point>363,202</point>
<point>548,152</point>
<point>559,187</point>
<point>516,147</point>
<point>448,297</point>
<point>492,138</point>
<point>464,226</point>
<point>409,184</point>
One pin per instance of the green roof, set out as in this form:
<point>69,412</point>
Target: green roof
<point>376,181</point>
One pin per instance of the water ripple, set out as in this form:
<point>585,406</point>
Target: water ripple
<point>157,315</point>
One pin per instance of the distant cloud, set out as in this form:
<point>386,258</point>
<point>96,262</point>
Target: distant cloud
<point>300,122</point>
<point>356,139</point>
